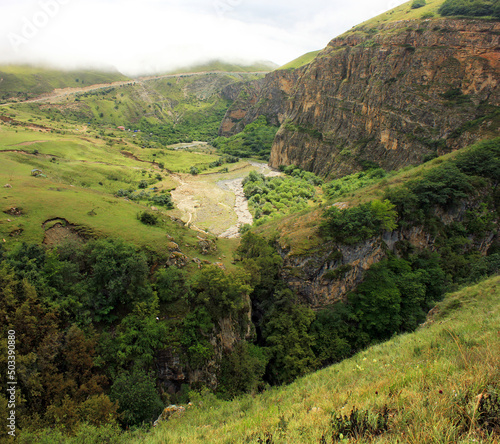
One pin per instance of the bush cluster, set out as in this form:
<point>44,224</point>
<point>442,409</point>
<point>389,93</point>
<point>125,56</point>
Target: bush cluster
<point>254,141</point>
<point>470,8</point>
<point>269,197</point>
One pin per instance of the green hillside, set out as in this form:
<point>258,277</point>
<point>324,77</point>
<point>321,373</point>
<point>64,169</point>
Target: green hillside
<point>162,111</point>
<point>439,384</point>
<point>404,12</point>
<point>301,61</point>
<point>22,82</point>
<point>148,264</point>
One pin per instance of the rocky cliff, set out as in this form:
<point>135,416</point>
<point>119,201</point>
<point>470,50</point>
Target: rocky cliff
<point>263,97</point>
<point>327,273</point>
<point>391,95</point>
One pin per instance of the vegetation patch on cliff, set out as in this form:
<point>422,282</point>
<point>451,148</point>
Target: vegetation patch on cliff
<point>254,141</point>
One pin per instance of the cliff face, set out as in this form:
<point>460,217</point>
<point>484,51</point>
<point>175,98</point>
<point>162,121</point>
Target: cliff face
<point>264,97</point>
<point>390,96</point>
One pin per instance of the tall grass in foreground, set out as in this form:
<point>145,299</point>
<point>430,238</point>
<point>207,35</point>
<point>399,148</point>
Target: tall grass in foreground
<point>440,384</point>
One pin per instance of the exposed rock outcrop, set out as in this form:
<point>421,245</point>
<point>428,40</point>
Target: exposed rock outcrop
<point>263,97</point>
<point>326,274</point>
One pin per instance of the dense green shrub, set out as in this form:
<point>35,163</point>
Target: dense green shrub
<point>242,370</point>
<point>470,8</point>
<point>269,197</point>
<point>136,394</point>
<point>164,200</point>
<point>353,182</point>
<point>287,334</point>
<point>254,141</point>
<point>148,218</point>
<point>418,4</point>
<point>355,224</point>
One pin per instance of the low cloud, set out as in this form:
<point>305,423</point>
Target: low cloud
<point>157,35</point>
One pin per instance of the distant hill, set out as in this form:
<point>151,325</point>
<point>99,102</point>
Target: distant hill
<point>23,81</point>
<point>220,65</point>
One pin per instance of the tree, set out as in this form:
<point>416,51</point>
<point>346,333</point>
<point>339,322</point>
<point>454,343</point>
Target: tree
<point>137,397</point>
<point>223,294</point>
<point>170,284</point>
<point>286,333</point>
<point>377,303</point>
<point>117,276</point>
<point>242,370</point>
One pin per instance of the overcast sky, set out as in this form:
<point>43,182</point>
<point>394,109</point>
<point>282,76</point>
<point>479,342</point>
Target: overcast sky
<point>157,35</point>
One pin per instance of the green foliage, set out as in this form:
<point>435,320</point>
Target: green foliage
<point>396,295</point>
<point>118,276</point>
<point>470,8</point>
<point>148,218</point>
<point>194,171</point>
<point>170,284</point>
<point>377,303</point>
<point>136,395</point>
<point>220,292</point>
<point>353,182</point>
<point>355,224</point>
<point>254,141</point>
<point>287,335</point>
<point>482,159</point>
<point>196,328</point>
<point>242,370</point>
<point>447,185</point>
<point>383,211</point>
<point>136,339</point>
<point>57,377</point>
<point>271,197</point>
<point>418,4</point>
<point>332,335</point>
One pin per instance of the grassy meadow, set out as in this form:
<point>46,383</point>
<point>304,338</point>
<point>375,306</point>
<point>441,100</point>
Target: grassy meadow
<point>26,81</point>
<point>83,174</point>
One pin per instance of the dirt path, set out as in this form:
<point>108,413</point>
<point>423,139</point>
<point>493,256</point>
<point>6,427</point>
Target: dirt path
<point>61,93</point>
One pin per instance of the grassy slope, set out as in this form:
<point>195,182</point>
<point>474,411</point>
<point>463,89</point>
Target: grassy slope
<point>402,12</point>
<point>83,173</point>
<point>33,81</point>
<point>429,381</point>
<point>300,61</point>
<point>190,103</point>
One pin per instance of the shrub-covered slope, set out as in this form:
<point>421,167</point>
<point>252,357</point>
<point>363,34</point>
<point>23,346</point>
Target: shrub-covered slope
<point>439,384</point>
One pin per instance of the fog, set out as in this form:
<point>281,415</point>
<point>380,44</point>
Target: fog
<point>158,35</point>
